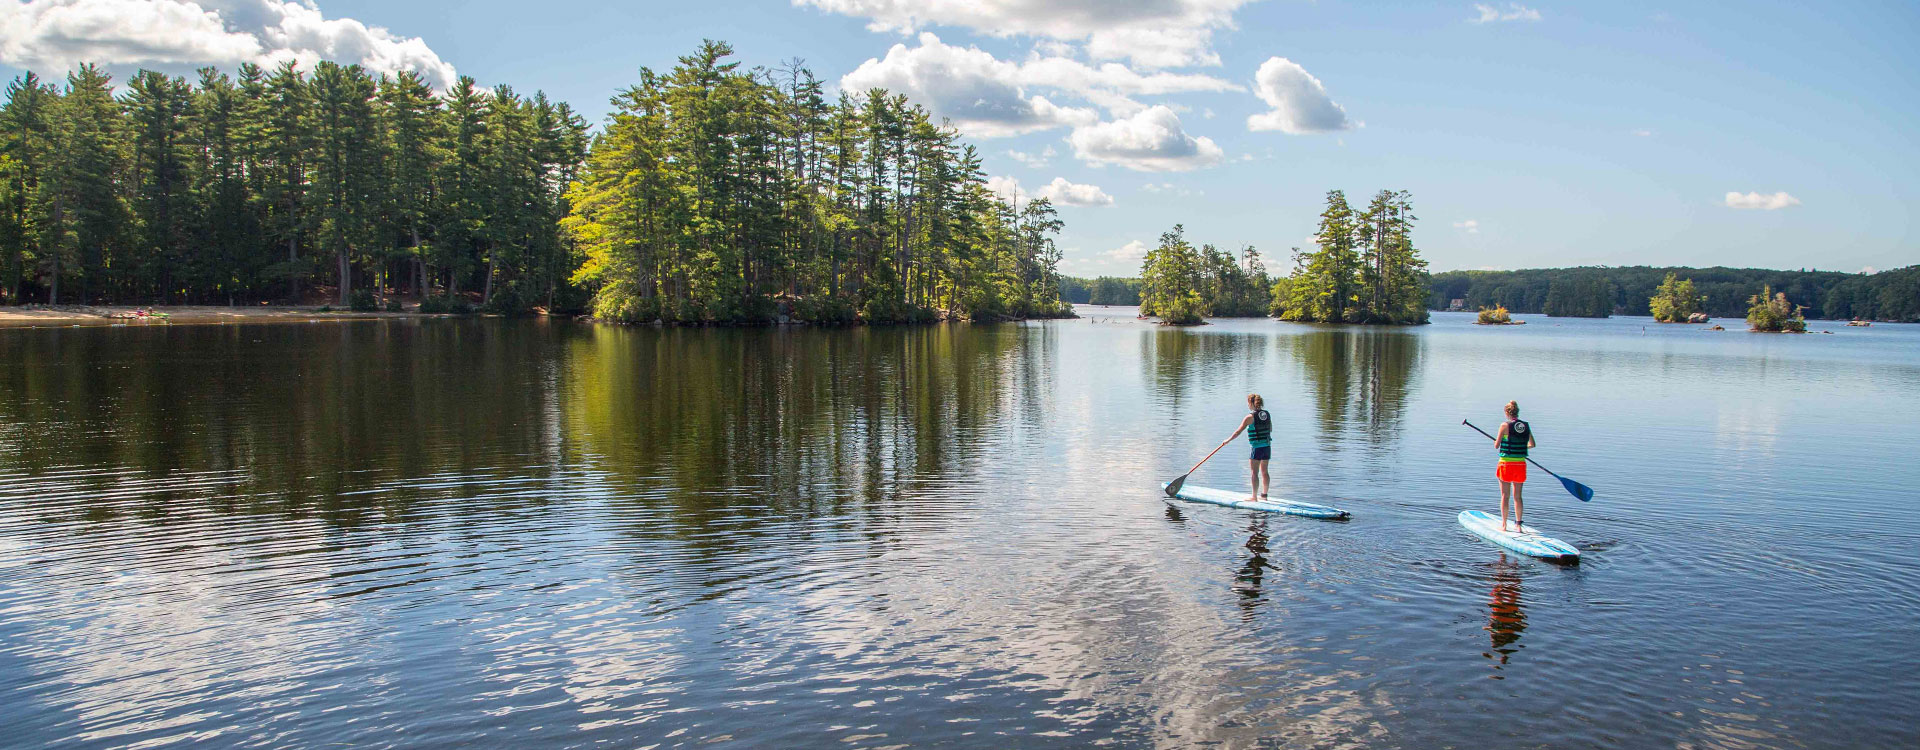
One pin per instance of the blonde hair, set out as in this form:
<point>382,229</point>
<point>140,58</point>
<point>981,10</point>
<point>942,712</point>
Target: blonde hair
<point>1254,400</point>
<point>1513,410</point>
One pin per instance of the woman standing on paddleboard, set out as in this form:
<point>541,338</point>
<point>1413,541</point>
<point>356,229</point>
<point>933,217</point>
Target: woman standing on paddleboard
<point>1258,425</point>
<point>1513,441</point>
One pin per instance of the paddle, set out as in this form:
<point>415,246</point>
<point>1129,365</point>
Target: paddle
<point>1173,487</point>
<point>1581,491</point>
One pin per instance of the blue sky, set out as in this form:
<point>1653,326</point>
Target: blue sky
<point>1533,134</point>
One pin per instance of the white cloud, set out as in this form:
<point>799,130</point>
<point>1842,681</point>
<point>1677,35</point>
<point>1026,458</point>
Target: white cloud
<point>1133,252</point>
<point>1300,103</point>
<point>58,35</point>
<point>1150,141</point>
<point>1773,202</point>
<point>1150,33</point>
<point>1169,188</point>
<point>1470,226</point>
<point>989,97</point>
<point>1868,270</point>
<point>1514,12</point>
<point>1065,193</point>
<point>980,94</point>
<point>1034,161</point>
<point>1008,189</point>
<point>1643,133</point>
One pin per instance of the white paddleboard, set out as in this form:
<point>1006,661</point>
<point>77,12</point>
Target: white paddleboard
<point>1528,541</point>
<point>1211,496</point>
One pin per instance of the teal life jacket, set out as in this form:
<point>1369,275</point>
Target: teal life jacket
<point>1260,433</point>
<point>1513,446</point>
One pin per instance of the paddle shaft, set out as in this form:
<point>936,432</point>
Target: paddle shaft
<point>1530,460</point>
<point>1196,467</point>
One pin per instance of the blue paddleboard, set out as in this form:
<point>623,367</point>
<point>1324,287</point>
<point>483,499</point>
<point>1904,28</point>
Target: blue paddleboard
<point>1528,541</point>
<point>1211,496</point>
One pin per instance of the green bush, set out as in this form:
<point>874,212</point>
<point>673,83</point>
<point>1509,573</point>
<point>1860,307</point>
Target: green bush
<point>443,304</point>
<point>508,299</point>
<point>825,310</point>
<point>393,305</point>
<point>361,300</point>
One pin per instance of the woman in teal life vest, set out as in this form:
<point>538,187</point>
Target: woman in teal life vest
<point>1513,441</point>
<point>1258,425</point>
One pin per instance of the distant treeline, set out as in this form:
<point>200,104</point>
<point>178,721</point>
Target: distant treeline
<point>1889,295</point>
<point>1105,290</point>
<point>1597,292</point>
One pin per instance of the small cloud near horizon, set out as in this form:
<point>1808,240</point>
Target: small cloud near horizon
<point>1756,201</point>
<point>1513,12</point>
<point>1470,226</point>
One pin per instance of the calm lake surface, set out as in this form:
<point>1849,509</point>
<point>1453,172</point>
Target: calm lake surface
<point>445,533</point>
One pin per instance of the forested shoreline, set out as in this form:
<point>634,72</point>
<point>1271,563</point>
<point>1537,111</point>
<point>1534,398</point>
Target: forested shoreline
<point>712,195</point>
<point>1598,292</point>
<point>1892,295</point>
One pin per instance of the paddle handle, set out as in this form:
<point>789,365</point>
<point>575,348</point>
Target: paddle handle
<point>1196,467</point>
<point>1530,460</point>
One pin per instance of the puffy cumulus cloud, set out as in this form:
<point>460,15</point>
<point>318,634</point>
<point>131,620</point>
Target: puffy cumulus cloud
<point>1150,33</point>
<point>1756,201</point>
<point>1066,193</point>
<point>1133,252</point>
<point>57,35</point>
<point>1150,141</point>
<point>981,94</point>
<point>1470,226</point>
<point>1300,103</point>
<point>1513,12</point>
<point>989,97</point>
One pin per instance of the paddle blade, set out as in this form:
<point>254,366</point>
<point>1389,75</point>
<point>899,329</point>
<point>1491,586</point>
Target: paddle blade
<point>1173,487</point>
<point>1579,490</point>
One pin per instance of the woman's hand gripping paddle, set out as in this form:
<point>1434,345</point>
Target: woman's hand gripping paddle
<point>1581,491</point>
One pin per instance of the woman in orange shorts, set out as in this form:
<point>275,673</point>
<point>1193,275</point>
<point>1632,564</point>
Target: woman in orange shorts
<point>1514,439</point>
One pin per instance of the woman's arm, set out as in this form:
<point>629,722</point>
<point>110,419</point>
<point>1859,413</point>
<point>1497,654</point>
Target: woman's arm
<point>1237,430</point>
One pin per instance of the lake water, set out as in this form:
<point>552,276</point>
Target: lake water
<point>446,533</point>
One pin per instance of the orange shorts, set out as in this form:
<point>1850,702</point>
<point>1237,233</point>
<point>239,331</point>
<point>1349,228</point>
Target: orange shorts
<point>1511,471</point>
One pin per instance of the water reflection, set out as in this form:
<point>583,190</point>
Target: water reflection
<point>1247,581</point>
<point>1360,379</point>
<point>1505,617</point>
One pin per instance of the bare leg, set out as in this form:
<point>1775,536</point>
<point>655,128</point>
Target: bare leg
<point>1506,496</point>
<point>1254,494</point>
<point>1517,510</point>
<point>1266,480</point>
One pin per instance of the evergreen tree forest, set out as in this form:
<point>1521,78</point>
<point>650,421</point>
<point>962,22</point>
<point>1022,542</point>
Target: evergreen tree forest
<point>267,184</point>
<point>713,194</point>
<point>727,195</point>
<point>1364,270</point>
<point>1183,284</point>
<point>1581,296</point>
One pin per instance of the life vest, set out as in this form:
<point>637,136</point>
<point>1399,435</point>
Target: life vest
<point>1513,445</point>
<point>1261,431</point>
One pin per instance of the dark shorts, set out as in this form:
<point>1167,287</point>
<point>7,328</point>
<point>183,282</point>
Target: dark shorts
<point>1263,453</point>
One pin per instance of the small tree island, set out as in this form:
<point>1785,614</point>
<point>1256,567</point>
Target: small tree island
<point>1676,302</point>
<point>1770,312</point>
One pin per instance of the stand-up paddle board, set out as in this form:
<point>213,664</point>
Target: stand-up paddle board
<point>1528,541</point>
<point>1211,496</point>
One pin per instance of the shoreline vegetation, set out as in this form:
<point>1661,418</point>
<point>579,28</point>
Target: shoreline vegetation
<point>713,195</point>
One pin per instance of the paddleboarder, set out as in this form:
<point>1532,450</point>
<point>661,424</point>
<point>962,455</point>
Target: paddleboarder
<point>1514,439</point>
<point>1258,425</point>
